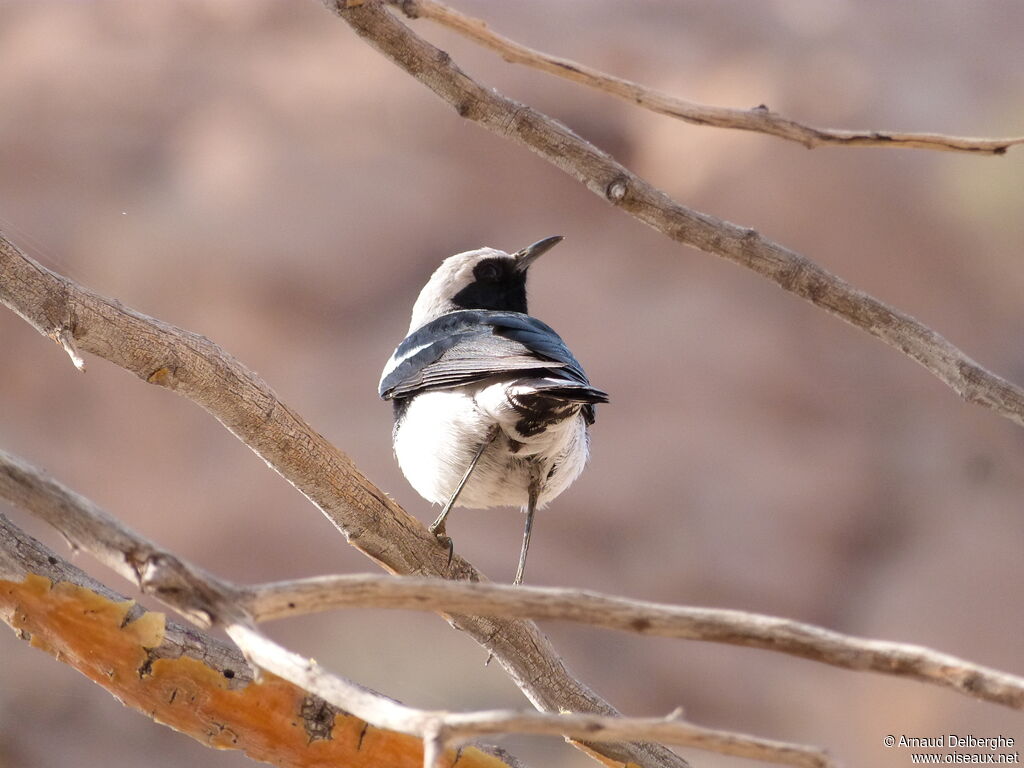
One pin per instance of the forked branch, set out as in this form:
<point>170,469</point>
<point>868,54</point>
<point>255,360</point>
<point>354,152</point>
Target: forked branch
<point>760,119</point>
<point>267,602</point>
<point>614,183</point>
<point>149,663</point>
<point>208,600</point>
<point>195,367</point>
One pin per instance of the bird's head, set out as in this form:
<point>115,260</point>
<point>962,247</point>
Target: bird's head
<point>482,279</point>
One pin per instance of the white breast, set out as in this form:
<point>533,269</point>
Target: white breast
<point>442,430</point>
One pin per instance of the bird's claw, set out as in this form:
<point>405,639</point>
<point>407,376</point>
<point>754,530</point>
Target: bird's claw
<point>445,541</point>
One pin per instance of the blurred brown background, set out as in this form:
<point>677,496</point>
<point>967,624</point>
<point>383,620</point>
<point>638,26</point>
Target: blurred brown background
<point>254,172</point>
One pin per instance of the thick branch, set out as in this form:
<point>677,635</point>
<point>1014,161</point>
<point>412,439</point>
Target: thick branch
<point>195,367</point>
<point>22,556</point>
<point>283,599</point>
<point>193,592</point>
<point>188,589</point>
<point>614,183</point>
<point>180,676</point>
<point>759,119</point>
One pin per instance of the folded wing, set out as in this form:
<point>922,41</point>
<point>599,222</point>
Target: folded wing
<point>472,345</point>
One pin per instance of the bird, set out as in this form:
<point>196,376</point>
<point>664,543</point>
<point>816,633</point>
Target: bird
<point>490,406</point>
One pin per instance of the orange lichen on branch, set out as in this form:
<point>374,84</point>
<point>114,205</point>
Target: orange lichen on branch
<point>271,720</point>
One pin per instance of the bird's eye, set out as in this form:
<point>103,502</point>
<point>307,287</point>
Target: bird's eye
<point>488,272</point>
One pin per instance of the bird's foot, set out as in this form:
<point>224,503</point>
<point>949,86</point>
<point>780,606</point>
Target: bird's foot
<point>443,539</point>
<point>446,541</point>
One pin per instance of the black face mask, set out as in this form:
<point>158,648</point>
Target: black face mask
<point>497,285</point>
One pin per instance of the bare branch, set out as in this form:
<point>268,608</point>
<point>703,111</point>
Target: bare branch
<point>22,556</point>
<point>433,746</point>
<point>204,598</point>
<point>292,598</point>
<point>611,181</point>
<point>193,592</point>
<point>66,340</point>
<point>597,728</point>
<point>180,676</point>
<point>195,367</point>
<point>438,728</point>
<point>88,527</point>
<point>759,119</point>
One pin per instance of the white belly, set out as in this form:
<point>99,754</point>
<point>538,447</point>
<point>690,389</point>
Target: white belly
<point>442,430</point>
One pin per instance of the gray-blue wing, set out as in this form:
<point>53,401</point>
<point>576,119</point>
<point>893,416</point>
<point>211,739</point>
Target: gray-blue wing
<point>470,345</point>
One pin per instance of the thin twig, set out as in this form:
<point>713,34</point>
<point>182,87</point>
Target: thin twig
<point>433,746</point>
<point>67,341</point>
<point>611,181</point>
<point>759,119</point>
<point>196,368</point>
<point>596,728</point>
<point>279,600</point>
<point>210,600</point>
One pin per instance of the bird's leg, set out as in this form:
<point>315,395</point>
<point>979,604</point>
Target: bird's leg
<point>437,527</point>
<point>532,491</point>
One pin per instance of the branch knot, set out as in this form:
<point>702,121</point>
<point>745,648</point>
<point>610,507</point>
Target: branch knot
<point>616,190</point>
